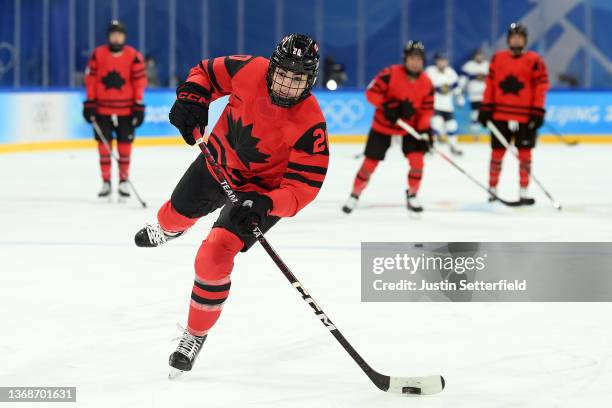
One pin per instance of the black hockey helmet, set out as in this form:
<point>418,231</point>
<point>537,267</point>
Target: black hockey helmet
<point>414,47</point>
<point>116,26</point>
<point>298,54</point>
<point>517,28</point>
<point>440,56</point>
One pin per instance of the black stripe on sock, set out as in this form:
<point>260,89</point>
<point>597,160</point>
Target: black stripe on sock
<point>204,301</point>
<point>213,288</point>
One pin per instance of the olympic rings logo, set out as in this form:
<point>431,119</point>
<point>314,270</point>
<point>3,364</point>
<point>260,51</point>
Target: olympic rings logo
<point>7,57</point>
<point>343,113</point>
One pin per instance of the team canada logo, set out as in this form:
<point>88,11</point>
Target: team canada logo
<point>241,139</point>
<point>113,80</point>
<point>511,85</point>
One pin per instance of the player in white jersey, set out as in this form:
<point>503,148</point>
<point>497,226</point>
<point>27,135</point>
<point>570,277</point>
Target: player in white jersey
<point>446,84</point>
<point>473,76</point>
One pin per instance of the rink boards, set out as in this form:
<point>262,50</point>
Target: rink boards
<point>52,120</point>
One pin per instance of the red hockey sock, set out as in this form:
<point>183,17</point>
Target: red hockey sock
<point>363,175</point>
<point>213,265</point>
<point>125,152</point>
<point>415,174</point>
<point>105,161</point>
<point>171,221</point>
<point>524,166</point>
<point>497,156</point>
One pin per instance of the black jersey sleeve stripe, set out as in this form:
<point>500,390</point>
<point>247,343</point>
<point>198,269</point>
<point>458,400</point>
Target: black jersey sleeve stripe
<point>233,65</point>
<point>300,178</point>
<point>307,168</point>
<point>216,139</point>
<point>212,76</point>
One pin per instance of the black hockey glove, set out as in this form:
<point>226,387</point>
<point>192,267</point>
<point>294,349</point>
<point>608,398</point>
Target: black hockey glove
<point>395,110</point>
<point>190,110</point>
<point>485,114</point>
<point>251,212</point>
<point>89,109</point>
<point>536,122</point>
<point>138,113</point>
<point>428,141</point>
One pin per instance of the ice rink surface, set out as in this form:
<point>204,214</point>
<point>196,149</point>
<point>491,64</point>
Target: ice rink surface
<point>81,306</point>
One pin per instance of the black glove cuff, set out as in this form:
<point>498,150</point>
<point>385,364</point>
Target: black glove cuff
<point>190,92</point>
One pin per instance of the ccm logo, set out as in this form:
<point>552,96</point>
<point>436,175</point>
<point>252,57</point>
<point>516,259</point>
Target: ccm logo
<point>192,97</point>
<point>306,296</point>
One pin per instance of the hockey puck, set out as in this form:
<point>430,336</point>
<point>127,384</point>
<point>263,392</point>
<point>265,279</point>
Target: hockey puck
<point>418,245</point>
<point>411,390</point>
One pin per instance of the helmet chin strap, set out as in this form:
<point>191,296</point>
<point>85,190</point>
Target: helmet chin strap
<point>413,74</point>
<point>517,50</point>
<point>116,47</point>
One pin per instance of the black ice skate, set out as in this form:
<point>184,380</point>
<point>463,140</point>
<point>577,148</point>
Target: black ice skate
<point>183,358</point>
<point>412,203</point>
<point>493,195</point>
<point>153,235</point>
<point>350,204</point>
<point>123,190</point>
<point>525,198</point>
<point>105,191</point>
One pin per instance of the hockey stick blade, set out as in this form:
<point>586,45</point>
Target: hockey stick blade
<point>429,385</point>
<point>518,203</point>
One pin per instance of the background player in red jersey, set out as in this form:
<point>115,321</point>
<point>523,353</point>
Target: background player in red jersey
<point>115,80</point>
<point>514,100</point>
<point>271,143</point>
<point>399,91</point>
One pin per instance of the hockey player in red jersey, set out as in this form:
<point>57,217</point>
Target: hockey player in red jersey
<point>271,143</point>
<point>401,91</point>
<point>514,101</point>
<point>115,80</point>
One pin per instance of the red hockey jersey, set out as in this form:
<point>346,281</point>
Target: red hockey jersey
<point>516,86</point>
<point>282,152</point>
<point>393,83</point>
<point>115,81</point>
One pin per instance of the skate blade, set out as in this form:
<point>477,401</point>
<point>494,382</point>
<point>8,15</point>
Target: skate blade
<point>174,373</point>
<point>122,199</point>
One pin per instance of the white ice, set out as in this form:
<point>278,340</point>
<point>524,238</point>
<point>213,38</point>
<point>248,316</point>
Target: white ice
<point>81,306</point>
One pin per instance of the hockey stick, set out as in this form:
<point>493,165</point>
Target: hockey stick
<point>401,385</point>
<point>559,136</point>
<point>114,156</point>
<point>418,136</point>
<point>500,137</point>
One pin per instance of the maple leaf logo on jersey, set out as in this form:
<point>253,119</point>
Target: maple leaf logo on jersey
<point>511,84</point>
<point>243,142</point>
<point>113,80</point>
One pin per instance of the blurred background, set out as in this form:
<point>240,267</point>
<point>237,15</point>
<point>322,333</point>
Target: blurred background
<point>45,45</point>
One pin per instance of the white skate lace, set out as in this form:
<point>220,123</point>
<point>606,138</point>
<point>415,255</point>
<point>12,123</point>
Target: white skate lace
<point>156,234</point>
<point>188,343</point>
